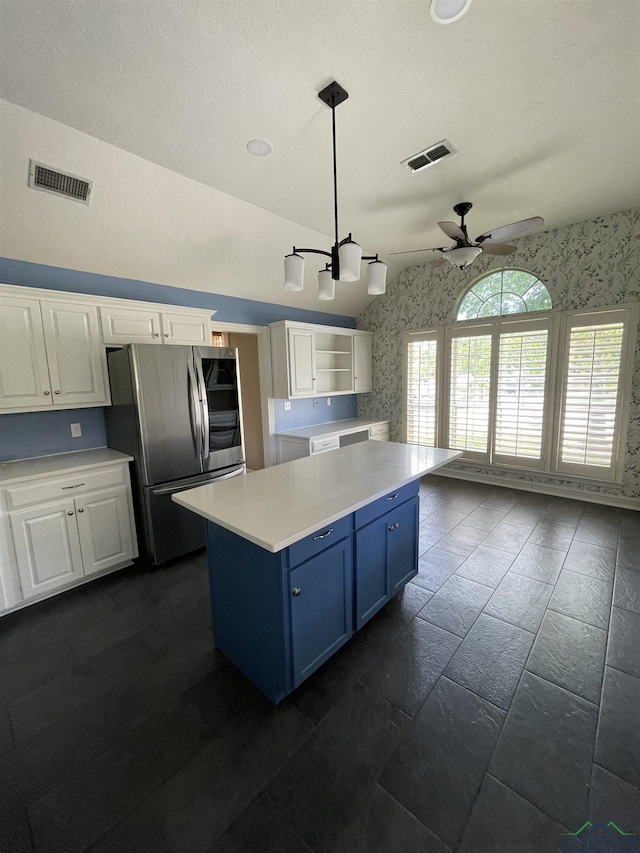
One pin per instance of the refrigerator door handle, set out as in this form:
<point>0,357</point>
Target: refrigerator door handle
<point>170,490</point>
<point>195,410</point>
<point>204,411</point>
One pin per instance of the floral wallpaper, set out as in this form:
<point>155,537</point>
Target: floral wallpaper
<point>589,264</point>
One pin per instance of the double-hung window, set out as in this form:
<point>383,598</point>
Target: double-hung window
<point>546,390</point>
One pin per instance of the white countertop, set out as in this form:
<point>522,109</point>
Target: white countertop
<point>277,506</point>
<point>321,430</point>
<point>58,463</point>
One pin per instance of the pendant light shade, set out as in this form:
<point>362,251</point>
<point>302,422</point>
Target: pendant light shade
<point>294,272</point>
<point>376,278</point>
<point>326,285</point>
<point>350,255</point>
<point>463,256</point>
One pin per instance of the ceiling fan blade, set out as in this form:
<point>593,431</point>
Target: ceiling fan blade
<point>498,249</point>
<point>452,230</point>
<point>515,229</point>
<point>415,251</point>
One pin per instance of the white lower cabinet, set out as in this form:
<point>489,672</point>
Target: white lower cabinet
<point>61,527</point>
<point>65,541</point>
<point>104,527</point>
<point>47,547</point>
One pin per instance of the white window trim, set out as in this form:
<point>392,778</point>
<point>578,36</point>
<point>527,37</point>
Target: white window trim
<point>558,322</point>
<point>436,334</point>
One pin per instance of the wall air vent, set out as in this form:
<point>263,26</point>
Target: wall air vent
<point>429,156</point>
<point>60,183</point>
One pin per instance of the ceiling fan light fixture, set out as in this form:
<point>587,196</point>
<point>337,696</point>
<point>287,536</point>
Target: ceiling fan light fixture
<point>448,11</point>
<point>326,285</point>
<point>463,256</point>
<point>376,278</point>
<point>293,271</point>
<point>350,255</point>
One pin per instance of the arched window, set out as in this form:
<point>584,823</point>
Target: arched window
<point>504,292</point>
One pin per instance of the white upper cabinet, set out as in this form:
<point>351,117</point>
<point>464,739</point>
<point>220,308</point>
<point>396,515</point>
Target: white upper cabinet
<point>123,325</point>
<point>362,362</point>
<point>130,326</point>
<point>301,363</point>
<point>189,329</point>
<point>24,374</point>
<point>51,355</point>
<point>318,361</point>
<point>75,354</point>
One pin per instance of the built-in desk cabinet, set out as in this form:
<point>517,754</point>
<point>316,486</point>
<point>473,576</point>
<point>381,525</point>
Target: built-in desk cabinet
<point>319,361</point>
<point>51,355</point>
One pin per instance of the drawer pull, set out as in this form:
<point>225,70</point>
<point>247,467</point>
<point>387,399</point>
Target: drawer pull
<point>296,591</point>
<point>77,486</point>
<point>393,526</point>
<point>393,497</point>
<point>324,535</point>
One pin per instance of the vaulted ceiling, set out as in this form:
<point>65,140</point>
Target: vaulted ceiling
<point>540,99</point>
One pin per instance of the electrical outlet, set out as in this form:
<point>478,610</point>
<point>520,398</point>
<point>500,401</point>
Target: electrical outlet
<point>76,430</point>
<point>328,401</point>
<point>287,406</point>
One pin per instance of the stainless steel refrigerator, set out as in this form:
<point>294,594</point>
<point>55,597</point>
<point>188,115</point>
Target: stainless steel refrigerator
<point>177,411</point>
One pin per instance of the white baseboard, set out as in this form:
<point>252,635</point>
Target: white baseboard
<point>544,489</point>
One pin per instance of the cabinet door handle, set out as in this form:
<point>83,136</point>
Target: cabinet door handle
<point>81,509</point>
<point>393,497</point>
<point>393,526</point>
<point>77,486</point>
<point>46,393</point>
<point>56,392</point>
<point>70,512</point>
<point>296,591</point>
<point>156,335</point>
<point>324,535</point>
<point>167,335</point>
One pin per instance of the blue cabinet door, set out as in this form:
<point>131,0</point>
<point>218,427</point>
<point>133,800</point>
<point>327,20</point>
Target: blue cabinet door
<point>402,544</point>
<point>320,592</point>
<point>371,580</point>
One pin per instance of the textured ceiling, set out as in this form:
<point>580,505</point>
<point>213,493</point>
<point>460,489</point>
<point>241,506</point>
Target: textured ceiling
<point>540,98</point>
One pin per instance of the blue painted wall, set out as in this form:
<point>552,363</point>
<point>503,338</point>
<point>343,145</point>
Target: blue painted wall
<point>39,433</point>
<point>304,413</point>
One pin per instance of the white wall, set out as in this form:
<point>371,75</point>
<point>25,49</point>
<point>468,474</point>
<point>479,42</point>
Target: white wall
<point>145,222</point>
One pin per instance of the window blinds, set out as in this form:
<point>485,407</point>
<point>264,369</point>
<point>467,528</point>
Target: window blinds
<point>591,394</point>
<point>469,393</point>
<point>421,391</point>
<point>520,404</point>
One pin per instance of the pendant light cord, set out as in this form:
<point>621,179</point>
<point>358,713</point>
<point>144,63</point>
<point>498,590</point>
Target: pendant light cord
<point>335,174</point>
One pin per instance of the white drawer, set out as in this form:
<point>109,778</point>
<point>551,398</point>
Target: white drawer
<point>380,431</point>
<point>68,486</point>
<point>321,445</point>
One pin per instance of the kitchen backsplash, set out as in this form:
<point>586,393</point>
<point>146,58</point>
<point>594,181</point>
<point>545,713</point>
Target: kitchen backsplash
<point>38,433</point>
<point>305,413</point>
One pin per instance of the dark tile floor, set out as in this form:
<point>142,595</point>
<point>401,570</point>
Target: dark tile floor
<point>490,707</point>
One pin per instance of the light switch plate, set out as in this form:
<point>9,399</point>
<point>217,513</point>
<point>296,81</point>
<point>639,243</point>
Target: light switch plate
<point>76,430</point>
<point>287,406</point>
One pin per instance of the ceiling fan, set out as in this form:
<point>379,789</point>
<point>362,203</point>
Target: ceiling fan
<point>464,251</point>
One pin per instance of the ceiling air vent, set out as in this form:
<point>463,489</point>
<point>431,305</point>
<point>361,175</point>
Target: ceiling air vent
<point>429,156</point>
<point>60,183</point>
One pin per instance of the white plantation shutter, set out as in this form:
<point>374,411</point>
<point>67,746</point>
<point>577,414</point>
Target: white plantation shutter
<point>469,394</point>
<point>520,408</point>
<point>591,400</point>
<point>422,387</point>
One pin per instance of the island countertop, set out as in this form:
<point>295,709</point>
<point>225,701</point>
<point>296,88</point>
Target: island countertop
<point>278,506</point>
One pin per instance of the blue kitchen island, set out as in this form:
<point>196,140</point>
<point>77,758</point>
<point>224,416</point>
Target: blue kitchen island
<point>303,554</point>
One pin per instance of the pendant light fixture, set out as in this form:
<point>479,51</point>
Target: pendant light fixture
<point>346,255</point>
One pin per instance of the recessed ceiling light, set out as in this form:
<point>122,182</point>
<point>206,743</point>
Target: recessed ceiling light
<point>259,147</point>
<point>448,11</point>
